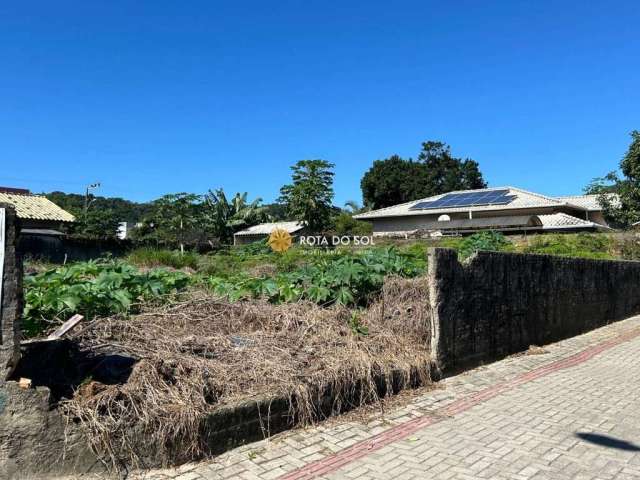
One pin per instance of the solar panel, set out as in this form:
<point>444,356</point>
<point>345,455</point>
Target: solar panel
<point>468,199</point>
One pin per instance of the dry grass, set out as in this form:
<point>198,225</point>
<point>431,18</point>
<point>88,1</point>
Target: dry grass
<point>200,355</point>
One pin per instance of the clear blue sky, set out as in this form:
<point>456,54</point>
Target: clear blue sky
<point>152,97</point>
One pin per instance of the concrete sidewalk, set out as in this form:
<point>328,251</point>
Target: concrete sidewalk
<point>570,411</point>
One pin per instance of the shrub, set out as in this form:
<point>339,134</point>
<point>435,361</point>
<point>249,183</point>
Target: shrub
<point>583,245</point>
<point>489,240</point>
<point>629,247</point>
<point>345,224</point>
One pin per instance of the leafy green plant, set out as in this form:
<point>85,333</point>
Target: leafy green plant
<point>93,288</point>
<point>343,277</point>
<point>489,240</point>
<point>356,327</point>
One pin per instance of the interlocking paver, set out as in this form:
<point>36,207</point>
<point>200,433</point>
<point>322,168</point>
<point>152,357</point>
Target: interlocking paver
<point>514,419</point>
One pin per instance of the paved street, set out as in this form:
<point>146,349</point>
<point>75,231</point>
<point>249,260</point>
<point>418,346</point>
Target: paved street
<point>570,411</point>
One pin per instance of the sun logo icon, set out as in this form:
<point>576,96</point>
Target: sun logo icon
<point>279,240</point>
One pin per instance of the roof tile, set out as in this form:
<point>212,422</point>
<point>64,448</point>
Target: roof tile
<point>36,207</point>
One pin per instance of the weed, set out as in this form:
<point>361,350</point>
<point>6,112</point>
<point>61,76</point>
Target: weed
<point>150,257</point>
<point>583,245</point>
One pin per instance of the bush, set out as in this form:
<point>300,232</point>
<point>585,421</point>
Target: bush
<point>254,248</point>
<point>585,245</point>
<point>489,240</point>
<point>629,247</point>
<point>151,257</point>
<point>345,224</point>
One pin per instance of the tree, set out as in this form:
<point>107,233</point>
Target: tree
<point>353,208</point>
<point>623,209</point>
<point>308,198</point>
<point>96,223</point>
<point>391,181</point>
<point>395,180</point>
<point>224,218</point>
<point>276,211</point>
<point>445,173</point>
<point>345,224</point>
<point>176,216</point>
<point>123,210</point>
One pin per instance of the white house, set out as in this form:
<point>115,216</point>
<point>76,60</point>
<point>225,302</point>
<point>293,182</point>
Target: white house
<point>506,209</point>
<point>263,230</point>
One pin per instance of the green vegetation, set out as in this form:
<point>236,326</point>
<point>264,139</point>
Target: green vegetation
<point>100,219</point>
<point>492,241</point>
<point>151,257</point>
<point>94,288</point>
<point>583,245</point>
<point>308,198</point>
<point>345,224</point>
<point>343,277</point>
<point>223,218</point>
<point>396,180</point>
<point>628,247</point>
<point>347,276</point>
<point>624,210</point>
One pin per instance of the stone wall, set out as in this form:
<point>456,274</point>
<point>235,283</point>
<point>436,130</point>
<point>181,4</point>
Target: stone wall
<point>501,303</point>
<point>11,308</point>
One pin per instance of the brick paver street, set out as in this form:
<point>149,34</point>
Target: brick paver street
<point>571,411</point>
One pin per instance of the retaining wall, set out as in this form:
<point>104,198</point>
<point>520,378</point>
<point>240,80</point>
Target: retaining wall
<point>501,303</point>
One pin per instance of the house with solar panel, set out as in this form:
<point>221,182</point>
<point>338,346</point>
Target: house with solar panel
<point>504,209</point>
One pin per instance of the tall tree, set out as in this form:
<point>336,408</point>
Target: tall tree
<point>391,181</point>
<point>396,180</point>
<point>623,209</point>
<point>445,173</point>
<point>96,223</point>
<point>176,215</point>
<point>308,198</point>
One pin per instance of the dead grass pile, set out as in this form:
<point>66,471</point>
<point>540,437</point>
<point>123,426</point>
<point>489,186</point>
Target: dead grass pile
<point>198,356</point>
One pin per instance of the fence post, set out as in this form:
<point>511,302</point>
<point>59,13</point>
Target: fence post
<point>10,293</point>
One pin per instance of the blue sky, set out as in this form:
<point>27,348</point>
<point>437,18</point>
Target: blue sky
<point>152,97</point>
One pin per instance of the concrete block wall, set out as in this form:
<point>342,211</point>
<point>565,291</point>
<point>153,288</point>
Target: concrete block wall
<point>11,308</point>
<point>501,303</point>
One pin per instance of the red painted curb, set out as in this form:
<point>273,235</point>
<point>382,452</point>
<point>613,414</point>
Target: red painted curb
<point>337,460</point>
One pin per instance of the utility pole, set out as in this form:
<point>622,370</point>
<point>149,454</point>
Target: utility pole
<point>93,186</point>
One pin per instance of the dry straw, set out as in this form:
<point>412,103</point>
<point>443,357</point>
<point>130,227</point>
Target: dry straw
<point>203,354</point>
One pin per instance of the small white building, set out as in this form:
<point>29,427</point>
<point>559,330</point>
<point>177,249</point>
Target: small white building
<point>263,230</point>
<point>505,209</point>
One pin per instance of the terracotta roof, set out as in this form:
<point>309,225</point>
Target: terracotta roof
<point>267,228</point>
<point>35,207</point>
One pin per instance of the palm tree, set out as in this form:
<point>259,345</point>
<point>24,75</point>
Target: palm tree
<point>352,207</point>
<point>226,217</point>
